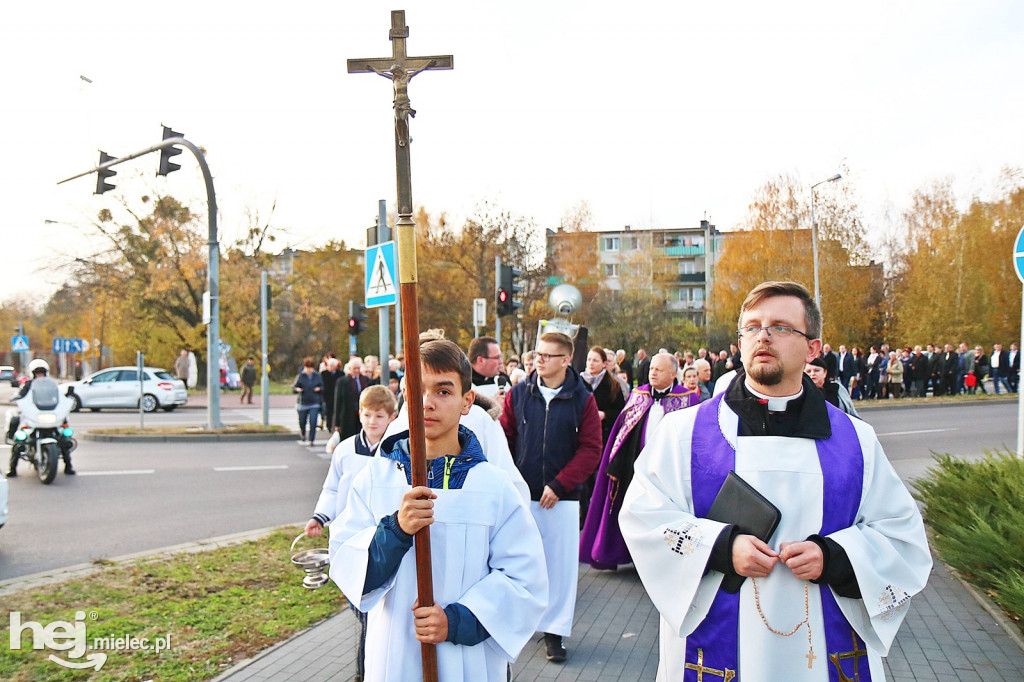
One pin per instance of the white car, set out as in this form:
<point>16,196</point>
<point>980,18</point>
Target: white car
<point>119,387</point>
<point>3,501</point>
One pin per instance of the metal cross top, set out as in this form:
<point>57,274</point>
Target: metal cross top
<point>400,69</point>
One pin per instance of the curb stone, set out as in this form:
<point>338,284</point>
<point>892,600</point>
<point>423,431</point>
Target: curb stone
<point>187,437</point>
<point>81,570</point>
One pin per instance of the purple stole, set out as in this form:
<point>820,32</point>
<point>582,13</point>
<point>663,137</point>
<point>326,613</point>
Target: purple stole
<point>601,543</point>
<point>636,408</point>
<point>842,468</point>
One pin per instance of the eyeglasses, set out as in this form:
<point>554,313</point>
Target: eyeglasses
<point>780,330</point>
<point>545,357</point>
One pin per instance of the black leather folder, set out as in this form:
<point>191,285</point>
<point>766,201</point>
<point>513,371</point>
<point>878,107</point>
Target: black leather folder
<point>739,504</point>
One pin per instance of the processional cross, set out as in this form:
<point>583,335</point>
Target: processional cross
<point>400,69</point>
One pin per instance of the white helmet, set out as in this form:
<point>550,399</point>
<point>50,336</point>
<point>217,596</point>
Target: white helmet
<point>38,363</point>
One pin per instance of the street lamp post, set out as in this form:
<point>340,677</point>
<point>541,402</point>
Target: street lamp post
<point>814,239</point>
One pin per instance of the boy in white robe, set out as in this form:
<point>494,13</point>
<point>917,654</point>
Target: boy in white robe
<point>376,410</point>
<point>829,589</point>
<point>490,584</point>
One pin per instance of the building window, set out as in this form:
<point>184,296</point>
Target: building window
<point>611,269</point>
<point>611,243</point>
<point>693,295</point>
<point>634,243</point>
<point>686,267</point>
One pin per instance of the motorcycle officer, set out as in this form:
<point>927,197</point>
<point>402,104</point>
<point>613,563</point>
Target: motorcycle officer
<point>37,368</point>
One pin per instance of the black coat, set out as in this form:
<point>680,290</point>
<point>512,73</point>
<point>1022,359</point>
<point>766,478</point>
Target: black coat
<point>330,384</point>
<point>346,404</point>
<point>643,372</point>
<point>831,365</point>
<point>917,367</point>
<point>950,363</point>
<point>847,366</point>
<point>610,400</point>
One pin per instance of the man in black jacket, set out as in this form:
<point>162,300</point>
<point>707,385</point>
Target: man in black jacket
<point>950,367</point>
<point>346,399</point>
<point>643,367</point>
<point>918,368</point>
<point>1014,364</point>
<point>1000,369</point>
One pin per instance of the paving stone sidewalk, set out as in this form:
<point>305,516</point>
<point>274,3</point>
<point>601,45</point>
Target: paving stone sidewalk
<point>947,636</point>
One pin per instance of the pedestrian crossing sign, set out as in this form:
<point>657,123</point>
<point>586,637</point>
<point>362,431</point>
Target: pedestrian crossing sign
<point>381,287</point>
<point>19,344</point>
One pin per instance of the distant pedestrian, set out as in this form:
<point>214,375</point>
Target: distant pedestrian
<point>310,388</point>
<point>330,375</point>
<point>248,379</point>
<point>181,367</point>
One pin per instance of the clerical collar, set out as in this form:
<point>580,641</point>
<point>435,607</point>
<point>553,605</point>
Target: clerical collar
<point>774,403</point>
<point>658,395</point>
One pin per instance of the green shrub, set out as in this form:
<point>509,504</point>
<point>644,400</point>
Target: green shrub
<point>975,511</point>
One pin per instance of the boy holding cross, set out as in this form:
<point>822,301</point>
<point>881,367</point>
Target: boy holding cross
<point>490,582</point>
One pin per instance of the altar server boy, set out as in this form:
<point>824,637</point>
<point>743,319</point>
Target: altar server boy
<point>490,584</point>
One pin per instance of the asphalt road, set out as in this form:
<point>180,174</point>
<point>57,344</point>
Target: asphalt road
<point>910,435</point>
<point>132,497</point>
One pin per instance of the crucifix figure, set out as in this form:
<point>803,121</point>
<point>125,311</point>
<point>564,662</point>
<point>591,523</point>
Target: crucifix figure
<point>400,69</point>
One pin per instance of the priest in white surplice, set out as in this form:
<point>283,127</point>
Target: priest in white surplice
<point>829,589</point>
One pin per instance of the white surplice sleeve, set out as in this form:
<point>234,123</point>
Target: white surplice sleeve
<point>510,600</point>
<point>887,547</point>
<point>327,504</point>
<point>670,546</point>
<point>349,547</point>
<point>495,446</point>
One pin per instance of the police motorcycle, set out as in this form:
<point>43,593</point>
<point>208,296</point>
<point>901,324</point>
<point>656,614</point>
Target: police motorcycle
<point>43,436</point>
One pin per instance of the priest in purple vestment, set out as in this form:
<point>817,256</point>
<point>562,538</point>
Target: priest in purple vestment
<point>601,543</point>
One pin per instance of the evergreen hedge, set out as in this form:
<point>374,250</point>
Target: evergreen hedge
<point>975,511</point>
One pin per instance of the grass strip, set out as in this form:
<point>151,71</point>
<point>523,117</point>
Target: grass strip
<point>976,519</point>
<point>276,388</point>
<point>217,607</point>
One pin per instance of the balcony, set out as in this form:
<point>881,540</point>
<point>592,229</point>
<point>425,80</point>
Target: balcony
<point>685,306</point>
<point>675,251</point>
<point>693,277</point>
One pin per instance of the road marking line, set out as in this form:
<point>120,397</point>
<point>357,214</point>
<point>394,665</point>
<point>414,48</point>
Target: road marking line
<point>121,472</point>
<point>252,468</point>
<point>910,433</point>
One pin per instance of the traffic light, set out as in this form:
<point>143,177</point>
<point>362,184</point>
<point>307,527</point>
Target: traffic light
<point>166,165</point>
<point>355,322</point>
<point>507,289</point>
<point>104,173</point>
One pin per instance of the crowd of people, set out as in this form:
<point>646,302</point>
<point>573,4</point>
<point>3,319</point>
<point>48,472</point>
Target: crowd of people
<point>913,372</point>
<point>545,461</point>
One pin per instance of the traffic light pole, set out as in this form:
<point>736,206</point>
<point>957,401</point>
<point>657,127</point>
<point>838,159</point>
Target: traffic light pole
<point>351,336</point>
<point>265,380</point>
<point>212,273</point>
<point>497,311</point>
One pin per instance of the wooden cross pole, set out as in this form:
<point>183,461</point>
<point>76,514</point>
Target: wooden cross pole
<point>400,69</point>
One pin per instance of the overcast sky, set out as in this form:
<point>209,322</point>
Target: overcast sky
<point>655,113</point>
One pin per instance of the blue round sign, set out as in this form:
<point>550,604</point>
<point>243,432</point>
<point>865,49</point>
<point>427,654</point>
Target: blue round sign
<point>1018,255</point>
